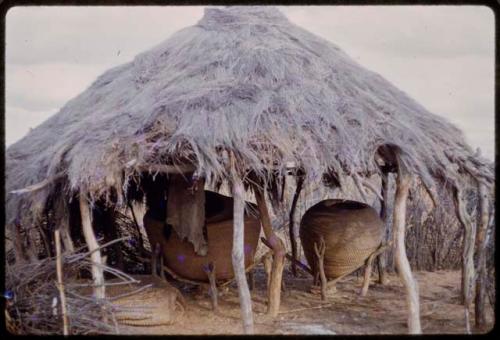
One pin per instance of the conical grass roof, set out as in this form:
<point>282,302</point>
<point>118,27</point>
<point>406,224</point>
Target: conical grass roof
<point>243,79</point>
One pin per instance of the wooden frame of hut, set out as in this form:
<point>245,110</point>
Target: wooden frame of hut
<point>243,97</point>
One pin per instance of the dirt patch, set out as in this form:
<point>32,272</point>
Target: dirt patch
<point>381,311</point>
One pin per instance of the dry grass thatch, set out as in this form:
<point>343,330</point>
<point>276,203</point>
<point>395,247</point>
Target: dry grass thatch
<point>243,79</point>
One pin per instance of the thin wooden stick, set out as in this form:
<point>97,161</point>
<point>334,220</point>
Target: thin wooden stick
<point>209,269</point>
<point>319,250</point>
<point>40,185</point>
<point>306,308</point>
<point>382,258</point>
<point>368,267</point>
<point>251,280</point>
<point>141,241</point>
<point>291,229</point>
<point>60,284</point>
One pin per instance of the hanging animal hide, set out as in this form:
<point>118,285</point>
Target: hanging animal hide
<point>186,211</point>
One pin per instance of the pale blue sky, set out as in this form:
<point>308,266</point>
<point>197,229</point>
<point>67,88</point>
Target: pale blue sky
<point>442,56</point>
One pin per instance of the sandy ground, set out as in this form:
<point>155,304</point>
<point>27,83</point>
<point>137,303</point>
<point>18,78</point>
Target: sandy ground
<point>381,311</point>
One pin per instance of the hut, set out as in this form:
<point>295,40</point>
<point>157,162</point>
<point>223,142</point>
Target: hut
<point>244,97</point>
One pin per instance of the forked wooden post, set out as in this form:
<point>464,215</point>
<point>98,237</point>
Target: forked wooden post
<point>402,264</point>
<point>274,289</point>
<point>319,250</point>
<point>268,267</point>
<point>238,254</point>
<point>95,256</point>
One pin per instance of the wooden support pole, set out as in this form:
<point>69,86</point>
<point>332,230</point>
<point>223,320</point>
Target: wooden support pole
<point>319,250</point>
<point>467,254</point>
<point>61,213</point>
<point>90,239</point>
<point>484,215</point>
<point>251,280</point>
<point>368,266</point>
<point>366,276</point>
<point>154,259</point>
<point>299,264</point>
<point>382,258</point>
<point>274,290</point>
<point>402,264</point>
<point>238,258</point>
<point>66,236</point>
<point>268,265</point>
<point>60,284</point>
<point>21,256</point>
<point>209,269</point>
<point>291,229</point>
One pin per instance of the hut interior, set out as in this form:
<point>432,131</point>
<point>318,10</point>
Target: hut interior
<point>247,100</point>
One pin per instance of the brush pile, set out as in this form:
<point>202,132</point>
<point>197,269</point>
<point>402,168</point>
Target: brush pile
<point>34,305</point>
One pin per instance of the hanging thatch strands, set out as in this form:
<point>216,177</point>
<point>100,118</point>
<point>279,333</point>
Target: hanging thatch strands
<point>351,230</point>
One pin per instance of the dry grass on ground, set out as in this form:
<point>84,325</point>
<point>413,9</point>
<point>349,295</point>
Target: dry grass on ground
<point>382,311</point>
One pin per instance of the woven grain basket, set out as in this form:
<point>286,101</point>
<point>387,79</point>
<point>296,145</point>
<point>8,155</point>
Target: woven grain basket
<point>179,254</point>
<point>351,230</point>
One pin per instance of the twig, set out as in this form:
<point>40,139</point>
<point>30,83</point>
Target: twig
<point>306,308</point>
<point>38,186</point>
<point>320,254</point>
<point>80,256</point>
<point>60,284</point>
<point>209,269</point>
<point>368,268</point>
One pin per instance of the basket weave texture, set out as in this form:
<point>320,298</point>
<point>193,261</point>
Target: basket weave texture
<point>179,254</point>
<point>351,230</point>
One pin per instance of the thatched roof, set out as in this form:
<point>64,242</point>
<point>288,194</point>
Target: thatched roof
<point>243,79</point>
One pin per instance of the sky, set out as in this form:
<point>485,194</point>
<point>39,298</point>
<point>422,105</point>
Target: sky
<point>442,56</point>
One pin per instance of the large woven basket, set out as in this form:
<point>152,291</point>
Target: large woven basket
<point>351,230</point>
<point>179,254</point>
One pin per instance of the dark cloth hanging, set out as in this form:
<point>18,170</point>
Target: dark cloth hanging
<point>186,210</point>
